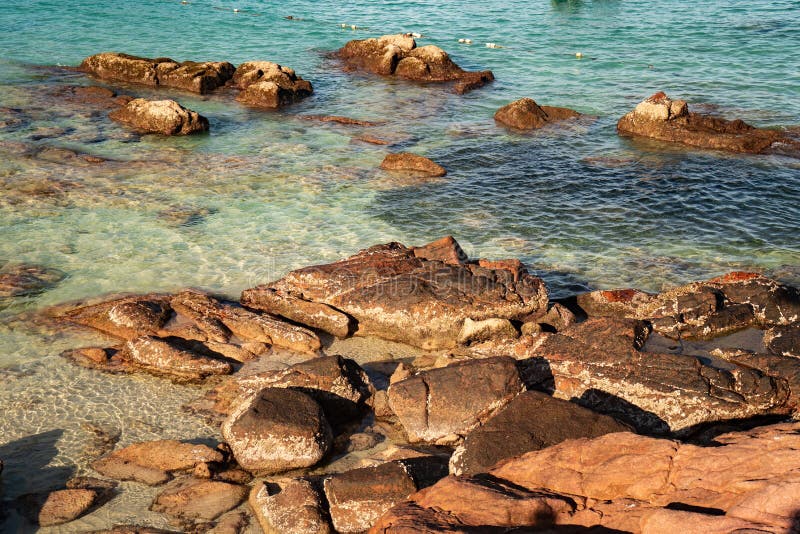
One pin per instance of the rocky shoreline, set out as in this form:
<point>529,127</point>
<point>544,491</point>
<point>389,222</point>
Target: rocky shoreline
<point>519,413</point>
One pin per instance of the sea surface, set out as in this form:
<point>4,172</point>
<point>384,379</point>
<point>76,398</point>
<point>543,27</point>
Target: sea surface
<point>265,192</point>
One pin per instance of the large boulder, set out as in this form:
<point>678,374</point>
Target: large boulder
<point>398,55</point>
<point>269,85</point>
<point>532,421</point>
<point>153,462</point>
<point>432,405</point>
<point>392,293</point>
<point>622,481</point>
<point>526,114</point>
<point>408,162</point>
<point>202,77</point>
<point>659,117</point>
<point>277,430</point>
<point>598,364</point>
<point>293,506</point>
<point>165,117</point>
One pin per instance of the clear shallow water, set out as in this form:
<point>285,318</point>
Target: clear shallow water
<point>267,192</point>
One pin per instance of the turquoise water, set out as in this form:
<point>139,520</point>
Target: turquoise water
<point>266,192</point>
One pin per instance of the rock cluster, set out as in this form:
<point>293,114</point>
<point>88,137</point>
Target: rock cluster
<point>399,55</point>
<point>659,117</point>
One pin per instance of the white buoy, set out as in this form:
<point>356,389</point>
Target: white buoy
<point>578,55</point>
<point>353,27</point>
<point>235,9</point>
<point>493,45</point>
<point>344,25</point>
<point>462,40</point>
<point>468,41</point>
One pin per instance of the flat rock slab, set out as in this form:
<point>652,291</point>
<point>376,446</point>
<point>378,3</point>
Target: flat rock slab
<point>432,405</point>
<point>269,85</point>
<point>294,506</point>
<point>165,117</point>
<point>202,77</point>
<point>399,55</point>
<point>659,117</point>
<point>126,317</point>
<point>174,357</point>
<point>198,499</point>
<point>277,430</point>
<point>313,314</point>
<point>526,114</point>
<point>532,421</point>
<point>394,294</point>
<point>407,162</point>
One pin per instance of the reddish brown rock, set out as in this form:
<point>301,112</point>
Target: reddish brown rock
<point>189,75</point>
<point>314,314</point>
<point>398,55</point>
<point>197,499</point>
<point>526,114</point>
<point>395,295</point>
<point>20,280</point>
<point>532,421</point>
<point>127,317</point>
<point>784,340</point>
<point>58,507</point>
<point>269,85</point>
<point>662,118</point>
<point>407,162</point>
<point>292,506</point>
<point>432,406</point>
<point>277,430</point>
<point>203,311</point>
<point>445,249</point>
<point>165,117</point>
<point>151,462</point>
<point>622,481</point>
<point>174,357</point>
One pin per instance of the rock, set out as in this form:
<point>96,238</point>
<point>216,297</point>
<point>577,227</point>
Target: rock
<point>659,117</point>
<point>203,311</point>
<point>341,120</point>
<point>407,162</point>
<point>624,482</point>
<point>133,529</point>
<point>152,462</point>
<point>614,302</point>
<point>314,314</point>
<point>198,499</point>
<point>269,85</point>
<point>784,340</point>
<point>597,364</point>
<point>558,317</point>
<point>784,370</point>
<point>22,280</point>
<point>526,114</point>
<point>166,117</point>
<point>340,386</point>
<point>58,507</point>
<point>200,78</point>
<point>292,506</point>
<point>395,295</point>
<point>232,522</point>
<point>359,497</point>
<point>127,317</point>
<point>487,329</point>
<point>532,421</point>
<point>92,95</point>
<point>446,250</point>
<point>398,55</point>
<point>174,357</point>
<point>277,430</point>
<point>432,406</point>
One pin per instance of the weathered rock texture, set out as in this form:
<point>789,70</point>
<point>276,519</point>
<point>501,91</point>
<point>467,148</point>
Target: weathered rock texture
<point>269,85</point>
<point>58,507</point>
<point>391,292</point>
<point>198,499</point>
<point>626,482</point>
<point>127,317</point>
<point>526,114</point>
<point>165,117</point>
<point>200,77</point>
<point>314,314</point>
<point>442,405</point>
<point>293,506</point>
<point>532,421</point>
<point>407,162</point>
<point>398,55</point>
<point>277,430</point>
<point>662,118</point>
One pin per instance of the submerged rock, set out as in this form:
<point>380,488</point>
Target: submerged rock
<point>192,76</point>
<point>622,481</point>
<point>166,117</point>
<point>22,280</point>
<point>277,430</point>
<point>526,114</point>
<point>659,117</point>
<point>407,162</point>
<point>398,55</point>
<point>393,294</point>
<point>269,85</point>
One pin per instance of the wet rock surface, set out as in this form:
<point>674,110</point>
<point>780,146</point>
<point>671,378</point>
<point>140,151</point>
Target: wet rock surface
<point>399,55</point>
<point>407,162</point>
<point>24,280</point>
<point>659,117</point>
<point>269,85</point>
<point>526,114</point>
<point>165,117</point>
